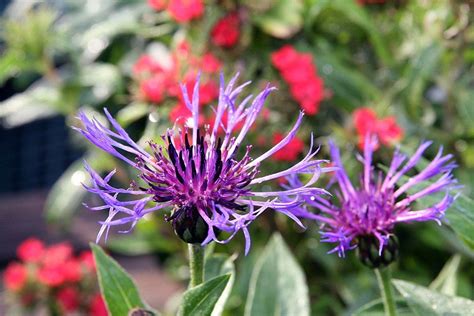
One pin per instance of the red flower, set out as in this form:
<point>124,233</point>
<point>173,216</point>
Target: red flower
<point>299,71</point>
<point>208,92</point>
<point>223,123</point>
<point>31,250</point>
<point>283,57</point>
<point>15,276</point>
<point>146,64</point>
<point>291,151</point>
<point>388,130</point>
<point>185,10</point>
<point>57,254</point>
<point>210,64</point>
<point>97,306</point>
<point>72,270</point>
<point>51,275</point>
<point>68,299</point>
<point>179,113</point>
<point>158,5</point>
<point>366,121</point>
<point>226,31</point>
<point>87,259</point>
<point>153,89</point>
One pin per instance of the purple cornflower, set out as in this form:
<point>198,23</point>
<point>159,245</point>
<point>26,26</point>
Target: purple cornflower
<point>204,184</point>
<point>368,214</point>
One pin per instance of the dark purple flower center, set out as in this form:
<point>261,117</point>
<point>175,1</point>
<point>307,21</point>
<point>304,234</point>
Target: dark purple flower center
<point>369,212</point>
<point>199,180</point>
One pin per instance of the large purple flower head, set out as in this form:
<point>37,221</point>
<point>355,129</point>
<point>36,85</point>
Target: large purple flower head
<point>365,216</point>
<point>209,190</point>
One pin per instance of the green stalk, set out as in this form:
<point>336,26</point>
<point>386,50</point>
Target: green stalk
<point>384,279</point>
<point>196,264</point>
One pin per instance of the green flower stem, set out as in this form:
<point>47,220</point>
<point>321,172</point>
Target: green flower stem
<point>196,264</point>
<point>384,279</point>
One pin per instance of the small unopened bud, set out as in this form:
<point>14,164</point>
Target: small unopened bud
<point>189,225</point>
<point>368,251</point>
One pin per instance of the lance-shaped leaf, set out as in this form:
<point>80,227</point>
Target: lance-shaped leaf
<point>117,287</point>
<point>424,302</point>
<point>278,285</point>
<point>202,299</point>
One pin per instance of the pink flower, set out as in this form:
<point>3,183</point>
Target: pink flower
<point>291,151</point>
<point>31,250</point>
<point>366,121</point>
<point>72,270</point>
<point>185,10</point>
<point>15,276</point>
<point>146,65</point>
<point>51,275</point>
<point>97,306</point>
<point>153,89</point>
<point>210,64</point>
<point>283,57</point>
<point>68,299</point>
<point>157,5</point>
<point>226,31</point>
<point>179,113</point>
<point>57,254</point>
<point>300,73</point>
<point>87,259</point>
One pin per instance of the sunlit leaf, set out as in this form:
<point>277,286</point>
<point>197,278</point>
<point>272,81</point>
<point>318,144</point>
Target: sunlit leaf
<point>424,302</point>
<point>117,287</point>
<point>284,19</point>
<point>202,299</point>
<point>278,285</point>
<point>446,282</point>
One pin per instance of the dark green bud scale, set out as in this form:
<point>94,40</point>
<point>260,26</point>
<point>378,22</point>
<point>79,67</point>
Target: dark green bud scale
<point>368,251</point>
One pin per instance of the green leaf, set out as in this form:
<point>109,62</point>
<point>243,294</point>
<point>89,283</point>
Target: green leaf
<point>461,219</point>
<point>460,216</point>
<point>40,100</point>
<point>283,20</point>
<point>278,285</point>
<point>376,308</point>
<point>425,302</point>
<point>117,287</point>
<point>351,88</point>
<point>132,113</point>
<point>358,15</point>
<point>446,282</point>
<point>217,265</point>
<point>202,299</point>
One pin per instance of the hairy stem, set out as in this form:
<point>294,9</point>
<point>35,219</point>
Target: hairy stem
<point>196,264</point>
<point>384,279</point>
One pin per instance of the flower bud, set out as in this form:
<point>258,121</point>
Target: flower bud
<point>189,225</point>
<point>368,251</point>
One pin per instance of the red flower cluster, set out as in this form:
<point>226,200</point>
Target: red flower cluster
<point>226,32</point>
<point>180,10</point>
<point>157,83</point>
<point>291,151</point>
<point>55,273</point>
<point>299,71</point>
<point>386,129</point>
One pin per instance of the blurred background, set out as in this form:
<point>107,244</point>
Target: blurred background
<point>400,69</point>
